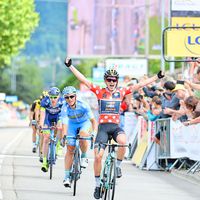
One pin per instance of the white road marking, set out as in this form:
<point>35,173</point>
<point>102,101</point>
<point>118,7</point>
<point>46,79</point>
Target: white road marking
<point>3,154</point>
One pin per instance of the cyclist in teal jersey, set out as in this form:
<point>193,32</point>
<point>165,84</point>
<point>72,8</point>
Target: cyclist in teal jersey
<point>76,115</point>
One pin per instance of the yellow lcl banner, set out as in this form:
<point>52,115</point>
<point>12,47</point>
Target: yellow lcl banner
<point>185,21</point>
<point>183,42</point>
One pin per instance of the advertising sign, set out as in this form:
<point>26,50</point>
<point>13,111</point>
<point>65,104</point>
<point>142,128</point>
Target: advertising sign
<point>183,43</point>
<point>182,22</point>
<point>11,99</point>
<point>2,96</point>
<point>133,67</point>
<point>185,5</point>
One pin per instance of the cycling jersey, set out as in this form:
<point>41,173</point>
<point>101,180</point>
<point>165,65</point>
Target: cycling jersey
<point>109,103</point>
<point>76,119</point>
<point>35,106</point>
<point>81,113</point>
<point>52,114</point>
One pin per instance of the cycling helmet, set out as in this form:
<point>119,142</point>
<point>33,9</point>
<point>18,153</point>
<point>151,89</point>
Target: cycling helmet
<point>54,91</point>
<point>111,73</point>
<point>69,90</point>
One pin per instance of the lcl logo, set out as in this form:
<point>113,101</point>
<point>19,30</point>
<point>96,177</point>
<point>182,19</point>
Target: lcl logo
<point>192,43</point>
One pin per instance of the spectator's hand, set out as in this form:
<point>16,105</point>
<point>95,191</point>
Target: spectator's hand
<point>187,123</point>
<point>167,111</point>
<point>187,82</point>
<point>160,74</point>
<point>182,103</point>
<point>68,61</point>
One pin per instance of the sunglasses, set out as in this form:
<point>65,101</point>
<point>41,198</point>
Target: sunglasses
<point>113,80</point>
<point>53,97</point>
<point>69,97</point>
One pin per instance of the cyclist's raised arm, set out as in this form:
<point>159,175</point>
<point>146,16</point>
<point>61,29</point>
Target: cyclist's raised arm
<point>79,76</point>
<point>147,81</point>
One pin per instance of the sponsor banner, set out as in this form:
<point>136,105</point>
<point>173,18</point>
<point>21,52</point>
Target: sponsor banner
<point>11,99</point>
<point>184,140</point>
<point>151,158</point>
<point>2,96</point>
<point>141,149</point>
<point>133,67</point>
<point>130,126</point>
<point>185,5</point>
<point>182,22</point>
<point>183,43</point>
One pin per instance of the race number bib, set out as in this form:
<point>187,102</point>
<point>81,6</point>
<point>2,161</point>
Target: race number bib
<point>109,107</point>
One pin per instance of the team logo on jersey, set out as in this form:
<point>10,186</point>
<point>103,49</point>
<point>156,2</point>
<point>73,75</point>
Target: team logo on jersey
<point>116,95</point>
<point>104,95</point>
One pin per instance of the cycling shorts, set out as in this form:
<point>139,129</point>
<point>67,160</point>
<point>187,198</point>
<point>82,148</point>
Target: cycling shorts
<point>73,130</point>
<point>105,131</point>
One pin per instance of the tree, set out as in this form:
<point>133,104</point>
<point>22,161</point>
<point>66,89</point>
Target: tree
<point>29,81</point>
<point>18,20</point>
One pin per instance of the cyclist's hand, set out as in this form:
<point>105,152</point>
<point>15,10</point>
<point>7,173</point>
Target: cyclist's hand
<point>68,62</point>
<point>63,141</point>
<point>160,74</point>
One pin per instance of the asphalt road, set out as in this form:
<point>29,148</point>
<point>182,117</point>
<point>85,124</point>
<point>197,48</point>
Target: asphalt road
<point>21,177</point>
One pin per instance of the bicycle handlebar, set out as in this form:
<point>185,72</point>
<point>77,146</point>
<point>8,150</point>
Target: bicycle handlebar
<point>91,138</point>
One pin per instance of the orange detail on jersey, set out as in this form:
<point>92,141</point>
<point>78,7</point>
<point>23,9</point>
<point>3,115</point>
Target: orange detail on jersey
<point>109,103</point>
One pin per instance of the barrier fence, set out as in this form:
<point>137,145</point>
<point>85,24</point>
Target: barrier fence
<point>178,143</point>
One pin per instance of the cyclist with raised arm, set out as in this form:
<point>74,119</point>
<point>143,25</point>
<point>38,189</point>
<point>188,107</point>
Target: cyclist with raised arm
<point>49,113</point>
<point>109,99</point>
<point>76,115</point>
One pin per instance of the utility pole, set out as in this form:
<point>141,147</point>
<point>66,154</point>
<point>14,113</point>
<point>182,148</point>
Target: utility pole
<point>172,64</point>
<point>147,29</point>
<point>162,28</point>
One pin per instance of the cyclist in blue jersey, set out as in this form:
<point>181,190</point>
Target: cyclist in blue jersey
<point>49,113</point>
<point>76,115</point>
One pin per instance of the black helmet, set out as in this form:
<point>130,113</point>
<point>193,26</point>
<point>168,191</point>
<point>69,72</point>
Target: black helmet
<point>111,73</point>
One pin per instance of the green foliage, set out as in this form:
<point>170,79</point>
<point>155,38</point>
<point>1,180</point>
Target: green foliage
<point>154,66</point>
<point>155,34</point>
<point>18,20</point>
<point>50,37</point>
<point>29,82</point>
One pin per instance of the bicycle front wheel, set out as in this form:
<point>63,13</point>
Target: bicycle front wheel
<point>76,167</point>
<point>51,158</point>
<point>112,181</point>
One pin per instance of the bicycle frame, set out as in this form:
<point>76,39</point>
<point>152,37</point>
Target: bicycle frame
<point>108,173</point>
<point>52,149</point>
<point>76,165</point>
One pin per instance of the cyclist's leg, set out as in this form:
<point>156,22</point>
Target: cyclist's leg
<point>120,137</point>
<point>84,132</point>
<point>45,145</point>
<point>34,138</point>
<point>69,154</point>
<point>102,137</point>
<point>58,138</point>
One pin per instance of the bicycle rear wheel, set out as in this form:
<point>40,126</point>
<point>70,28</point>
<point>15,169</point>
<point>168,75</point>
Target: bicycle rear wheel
<point>76,167</point>
<point>112,181</point>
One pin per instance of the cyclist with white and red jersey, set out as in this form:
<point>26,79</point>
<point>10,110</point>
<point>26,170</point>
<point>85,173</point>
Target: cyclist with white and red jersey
<point>109,99</point>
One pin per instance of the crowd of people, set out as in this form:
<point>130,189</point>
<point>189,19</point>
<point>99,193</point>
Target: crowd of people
<point>153,98</point>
